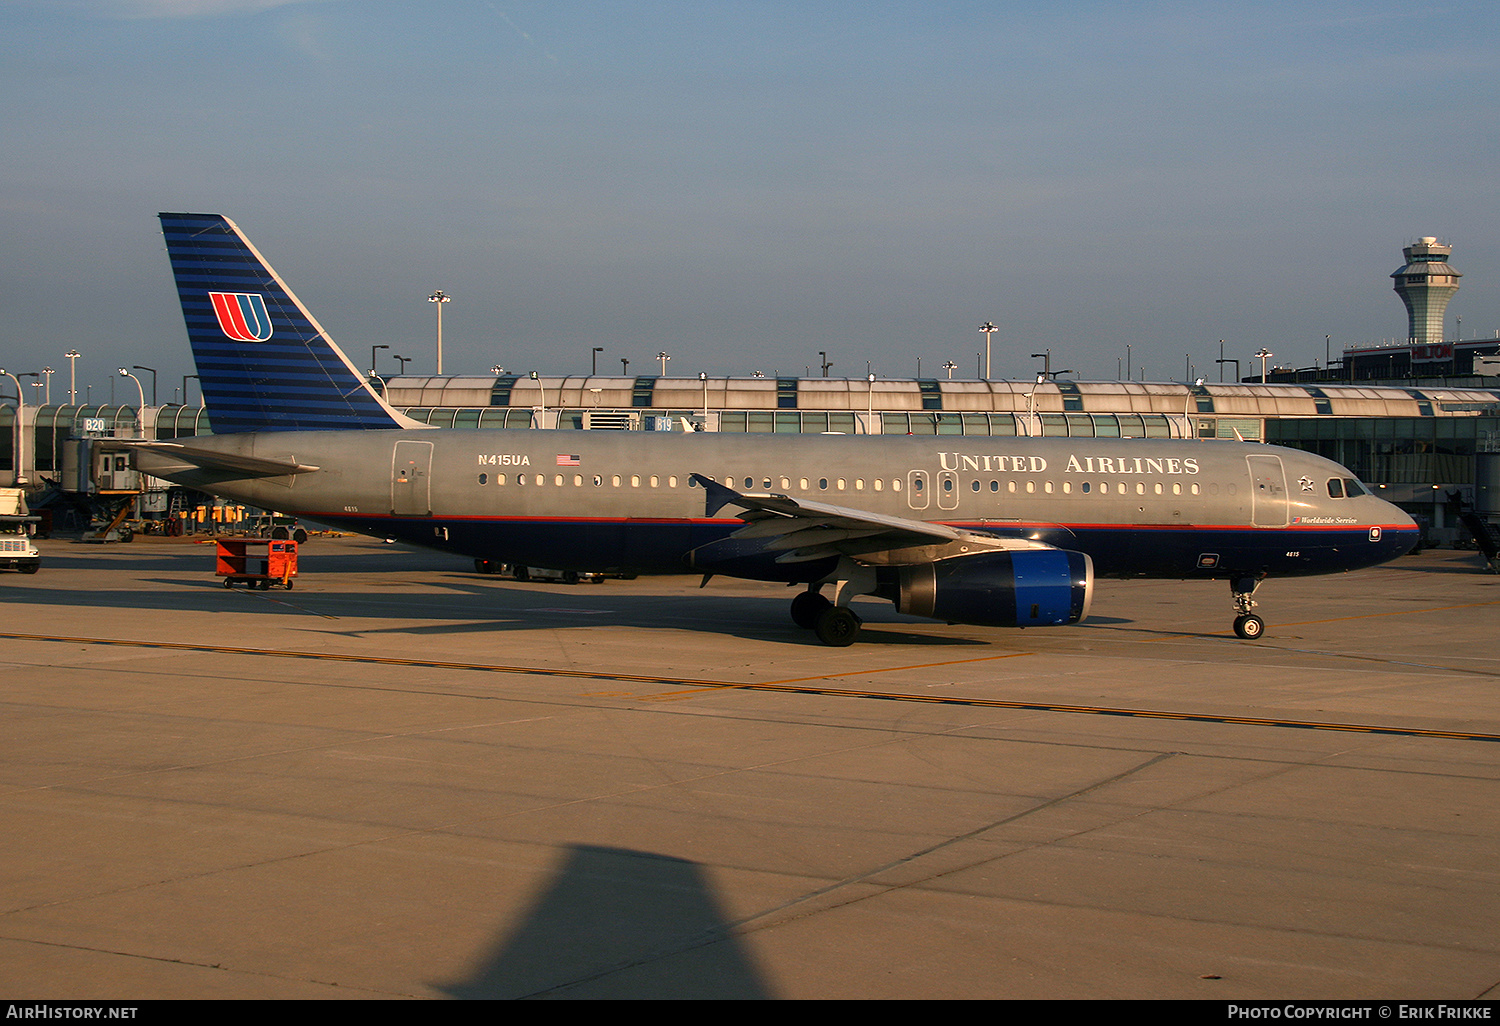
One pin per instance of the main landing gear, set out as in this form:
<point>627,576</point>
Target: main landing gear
<point>835,625</point>
<point>1247,625</point>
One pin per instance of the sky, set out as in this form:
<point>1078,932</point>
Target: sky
<point>743,185</point>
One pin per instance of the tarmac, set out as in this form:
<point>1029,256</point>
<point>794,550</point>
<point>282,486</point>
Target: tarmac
<point>404,779</point>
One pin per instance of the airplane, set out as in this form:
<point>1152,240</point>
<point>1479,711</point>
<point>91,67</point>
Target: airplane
<point>986,531</point>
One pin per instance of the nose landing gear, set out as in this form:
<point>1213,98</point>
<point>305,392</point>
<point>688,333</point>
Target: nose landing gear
<point>1247,625</point>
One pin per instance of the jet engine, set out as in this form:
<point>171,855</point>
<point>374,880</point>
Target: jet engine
<point>1011,588</point>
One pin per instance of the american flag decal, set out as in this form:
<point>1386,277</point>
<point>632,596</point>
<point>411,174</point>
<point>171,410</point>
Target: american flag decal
<point>567,461</point>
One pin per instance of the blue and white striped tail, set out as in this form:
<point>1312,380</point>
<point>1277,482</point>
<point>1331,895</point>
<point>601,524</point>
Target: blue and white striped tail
<point>263,362</point>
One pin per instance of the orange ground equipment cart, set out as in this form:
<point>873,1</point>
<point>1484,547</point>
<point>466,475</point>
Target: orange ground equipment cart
<point>256,561</point>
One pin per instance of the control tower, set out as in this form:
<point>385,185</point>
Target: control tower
<point>1425,284</point>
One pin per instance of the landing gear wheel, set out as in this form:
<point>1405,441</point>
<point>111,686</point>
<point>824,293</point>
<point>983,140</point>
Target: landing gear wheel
<point>837,626</point>
<point>1249,627</point>
<point>807,607</point>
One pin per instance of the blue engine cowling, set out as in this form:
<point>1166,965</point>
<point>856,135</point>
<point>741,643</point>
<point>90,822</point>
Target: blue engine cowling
<point>1014,588</point>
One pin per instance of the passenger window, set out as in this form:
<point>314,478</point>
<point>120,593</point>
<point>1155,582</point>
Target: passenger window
<point>484,478</point>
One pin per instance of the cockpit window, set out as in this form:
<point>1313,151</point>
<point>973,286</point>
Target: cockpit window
<point>1335,488</point>
<point>1353,487</point>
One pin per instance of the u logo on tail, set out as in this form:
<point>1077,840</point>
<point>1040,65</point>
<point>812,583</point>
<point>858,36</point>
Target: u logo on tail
<point>242,315</point>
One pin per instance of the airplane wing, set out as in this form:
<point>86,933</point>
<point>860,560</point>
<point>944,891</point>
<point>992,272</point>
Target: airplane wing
<point>802,529</point>
<point>165,456</point>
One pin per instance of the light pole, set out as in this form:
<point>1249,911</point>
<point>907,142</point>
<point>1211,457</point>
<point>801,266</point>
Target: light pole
<point>48,387</point>
<point>153,380</point>
<point>663,357</point>
<point>1264,355</point>
<point>404,360</point>
<point>542,420</point>
<point>703,377</point>
<point>822,356</point>
<point>1236,370</point>
<point>594,361</point>
<point>439,297</point>
<point>624,367</point>
<point>950,367</point>
<point>72,355</point>
<point>988,329</point>
<point>1031,409</point>
<point>1047,362</point>
<point>141,410</point>
<point>20,427</point>
<point>373,350</point>
<point>192,377</point>
<point>869,403</point>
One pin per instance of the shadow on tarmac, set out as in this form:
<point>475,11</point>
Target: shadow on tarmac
<point>617,923</point>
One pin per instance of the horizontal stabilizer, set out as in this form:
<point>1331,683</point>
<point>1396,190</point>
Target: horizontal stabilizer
<point>164,453</point>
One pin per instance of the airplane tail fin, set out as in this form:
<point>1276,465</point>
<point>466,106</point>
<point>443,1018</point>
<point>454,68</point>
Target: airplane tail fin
<point>264,363</point>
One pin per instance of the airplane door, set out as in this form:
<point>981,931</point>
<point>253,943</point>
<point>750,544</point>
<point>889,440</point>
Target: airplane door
<point>1267,491</point>
<point>916,489</point>
<point>947,490</point>
<point>411,479</point>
